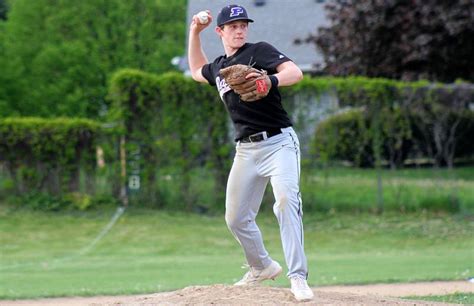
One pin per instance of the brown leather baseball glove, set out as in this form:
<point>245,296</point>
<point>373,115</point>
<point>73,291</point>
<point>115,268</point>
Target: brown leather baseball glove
<point>250,87</point>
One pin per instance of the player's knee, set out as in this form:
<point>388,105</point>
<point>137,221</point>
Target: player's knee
<point>234,223</point>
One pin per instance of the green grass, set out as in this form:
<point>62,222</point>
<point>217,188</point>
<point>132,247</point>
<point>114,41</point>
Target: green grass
<point>457,298</point>
<point>347,189</point>
<point>149,251</point>
<point>334,189</point>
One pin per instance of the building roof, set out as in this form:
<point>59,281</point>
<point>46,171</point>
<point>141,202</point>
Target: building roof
<point>279,22</point>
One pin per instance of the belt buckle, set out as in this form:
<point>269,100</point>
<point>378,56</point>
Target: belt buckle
<point>258,137</point>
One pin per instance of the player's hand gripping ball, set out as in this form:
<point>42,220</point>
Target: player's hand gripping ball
<point>203,17</point>
<point>249,88</point>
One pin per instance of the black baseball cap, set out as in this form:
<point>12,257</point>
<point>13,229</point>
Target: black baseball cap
<point>231,13</point>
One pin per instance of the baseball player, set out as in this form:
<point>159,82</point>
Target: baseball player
<point>267,148</point>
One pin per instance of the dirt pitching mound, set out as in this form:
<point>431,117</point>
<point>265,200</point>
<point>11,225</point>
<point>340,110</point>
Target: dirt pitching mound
<point>262,295</point>
<point>375,294</point>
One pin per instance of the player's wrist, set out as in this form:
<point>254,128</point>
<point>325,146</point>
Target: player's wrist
<point>274,80</point>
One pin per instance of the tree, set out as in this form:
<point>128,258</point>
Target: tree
<point>402,39</point>
<point>3,9</point>
<point>60,54</point>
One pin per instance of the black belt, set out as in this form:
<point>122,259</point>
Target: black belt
<point>260,136</point>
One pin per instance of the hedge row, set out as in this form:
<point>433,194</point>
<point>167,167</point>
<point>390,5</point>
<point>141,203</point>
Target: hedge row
<point>170,127</point>
<point>48,154</point>
<point>433,117</point>
<point>346,137</point>
<point>175,123</point>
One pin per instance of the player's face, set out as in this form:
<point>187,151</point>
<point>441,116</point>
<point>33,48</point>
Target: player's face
<point>234,33</point>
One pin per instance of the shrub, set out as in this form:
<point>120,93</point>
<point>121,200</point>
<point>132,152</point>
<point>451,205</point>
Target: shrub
<point>47,155</point>
<point>347,136</point>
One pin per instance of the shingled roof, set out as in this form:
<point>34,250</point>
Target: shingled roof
<point>279,22</point>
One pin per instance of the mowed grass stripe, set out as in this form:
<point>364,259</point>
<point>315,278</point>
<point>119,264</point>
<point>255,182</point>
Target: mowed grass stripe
<point>149,251</point>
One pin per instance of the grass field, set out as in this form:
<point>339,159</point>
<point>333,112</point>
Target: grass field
<point>335,189</point>
<point>343,189</point>
<point>349,189</point>
<point>149,251</point>
<point>457,298</point>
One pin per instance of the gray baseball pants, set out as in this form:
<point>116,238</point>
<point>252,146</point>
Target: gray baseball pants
<point>276,159</point>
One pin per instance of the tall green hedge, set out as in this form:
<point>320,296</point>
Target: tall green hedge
<point>344,137</point>
<point>173,132</point>
<point>434,117</point>
<point>171,125</point>
<point>47,155</point>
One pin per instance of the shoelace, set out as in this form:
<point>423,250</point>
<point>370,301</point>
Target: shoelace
<point>301,283</point>
<point>251,273</point>
<point>247,276</point>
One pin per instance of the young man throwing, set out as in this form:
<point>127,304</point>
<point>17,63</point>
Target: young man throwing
<point>267,148</point>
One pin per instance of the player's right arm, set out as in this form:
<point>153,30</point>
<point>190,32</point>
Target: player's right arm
<point>196,57</point>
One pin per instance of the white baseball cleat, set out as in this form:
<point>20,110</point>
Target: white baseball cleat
<point>255,276</point>
<point>300,289</point>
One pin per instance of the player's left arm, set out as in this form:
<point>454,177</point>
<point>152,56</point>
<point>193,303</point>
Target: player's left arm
<point>288,73</point>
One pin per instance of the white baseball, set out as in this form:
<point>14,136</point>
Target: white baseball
<point>203,17</point>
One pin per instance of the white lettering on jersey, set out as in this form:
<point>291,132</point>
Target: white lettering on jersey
<point>222,87</point>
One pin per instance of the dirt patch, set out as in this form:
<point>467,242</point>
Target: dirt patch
<point>380,294</point>
<point>405,289</point>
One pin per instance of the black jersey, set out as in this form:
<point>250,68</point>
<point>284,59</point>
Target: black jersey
<point>250,117</point>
